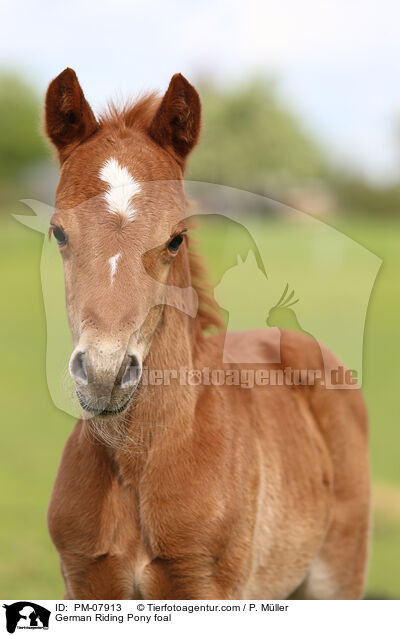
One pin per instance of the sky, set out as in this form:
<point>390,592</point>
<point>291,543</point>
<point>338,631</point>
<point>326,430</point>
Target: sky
<point>336,61</point>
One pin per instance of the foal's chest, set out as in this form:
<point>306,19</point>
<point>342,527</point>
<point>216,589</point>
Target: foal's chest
<point>94,523</point>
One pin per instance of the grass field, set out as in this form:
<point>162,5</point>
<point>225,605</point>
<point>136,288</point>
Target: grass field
<point>34,430</point>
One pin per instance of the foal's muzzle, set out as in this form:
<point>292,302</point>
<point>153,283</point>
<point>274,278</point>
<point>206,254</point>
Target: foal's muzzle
<point>105,379</point>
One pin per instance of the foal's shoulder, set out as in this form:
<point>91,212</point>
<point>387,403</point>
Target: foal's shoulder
<point>267,346</point>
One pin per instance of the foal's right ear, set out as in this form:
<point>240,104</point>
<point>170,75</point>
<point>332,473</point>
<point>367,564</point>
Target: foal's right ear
<point>176,124</point>
<point>69,120</point>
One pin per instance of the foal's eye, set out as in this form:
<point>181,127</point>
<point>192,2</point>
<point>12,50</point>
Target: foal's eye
<point>174,244</point>
<point>59,235</point>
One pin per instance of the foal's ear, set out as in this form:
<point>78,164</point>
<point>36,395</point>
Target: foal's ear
<point>176,124</point>
<point>69,120</point>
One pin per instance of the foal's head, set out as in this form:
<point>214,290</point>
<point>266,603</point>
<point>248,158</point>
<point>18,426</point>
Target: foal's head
<point>119,223</point>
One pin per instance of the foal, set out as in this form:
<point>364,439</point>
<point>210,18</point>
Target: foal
<point>209,491</point>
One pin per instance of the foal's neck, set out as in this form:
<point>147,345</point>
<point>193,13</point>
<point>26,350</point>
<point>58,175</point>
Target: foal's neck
<point>161,418</point>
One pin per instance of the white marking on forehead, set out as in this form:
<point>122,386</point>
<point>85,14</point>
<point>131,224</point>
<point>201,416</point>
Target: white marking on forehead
<point>121,188</point>
<point>113,266</point>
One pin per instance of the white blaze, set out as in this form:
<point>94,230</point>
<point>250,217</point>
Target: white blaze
<point>121,188</point>
<point>113,266</point>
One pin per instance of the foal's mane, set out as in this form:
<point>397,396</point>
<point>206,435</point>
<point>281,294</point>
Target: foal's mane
<point>138,115</point>
<point>135,113</point>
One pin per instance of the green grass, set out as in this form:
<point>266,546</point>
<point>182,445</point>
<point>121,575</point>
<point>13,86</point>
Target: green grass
<point>34,430</point>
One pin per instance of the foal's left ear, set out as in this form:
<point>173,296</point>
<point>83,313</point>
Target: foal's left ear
<point>176,124</point>
<point>69,120</point>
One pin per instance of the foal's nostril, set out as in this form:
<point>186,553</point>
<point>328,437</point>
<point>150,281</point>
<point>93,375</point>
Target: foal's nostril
<point>77,367</point>
<point>132,372</point>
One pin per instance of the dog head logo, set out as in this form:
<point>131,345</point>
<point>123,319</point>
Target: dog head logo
<point>26,615</point>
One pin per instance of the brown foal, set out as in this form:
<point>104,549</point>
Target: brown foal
<point>204,491</point>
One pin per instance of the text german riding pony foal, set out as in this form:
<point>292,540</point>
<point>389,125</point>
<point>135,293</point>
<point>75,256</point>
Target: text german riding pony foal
<point>207,491</point>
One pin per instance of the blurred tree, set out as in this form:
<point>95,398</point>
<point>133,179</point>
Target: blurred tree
<point>250,139</point>
<point>358,196</point>
<point>21,144</point>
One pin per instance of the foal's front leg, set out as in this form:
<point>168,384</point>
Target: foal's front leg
<point>180,579</point>
<point>103,577</point>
